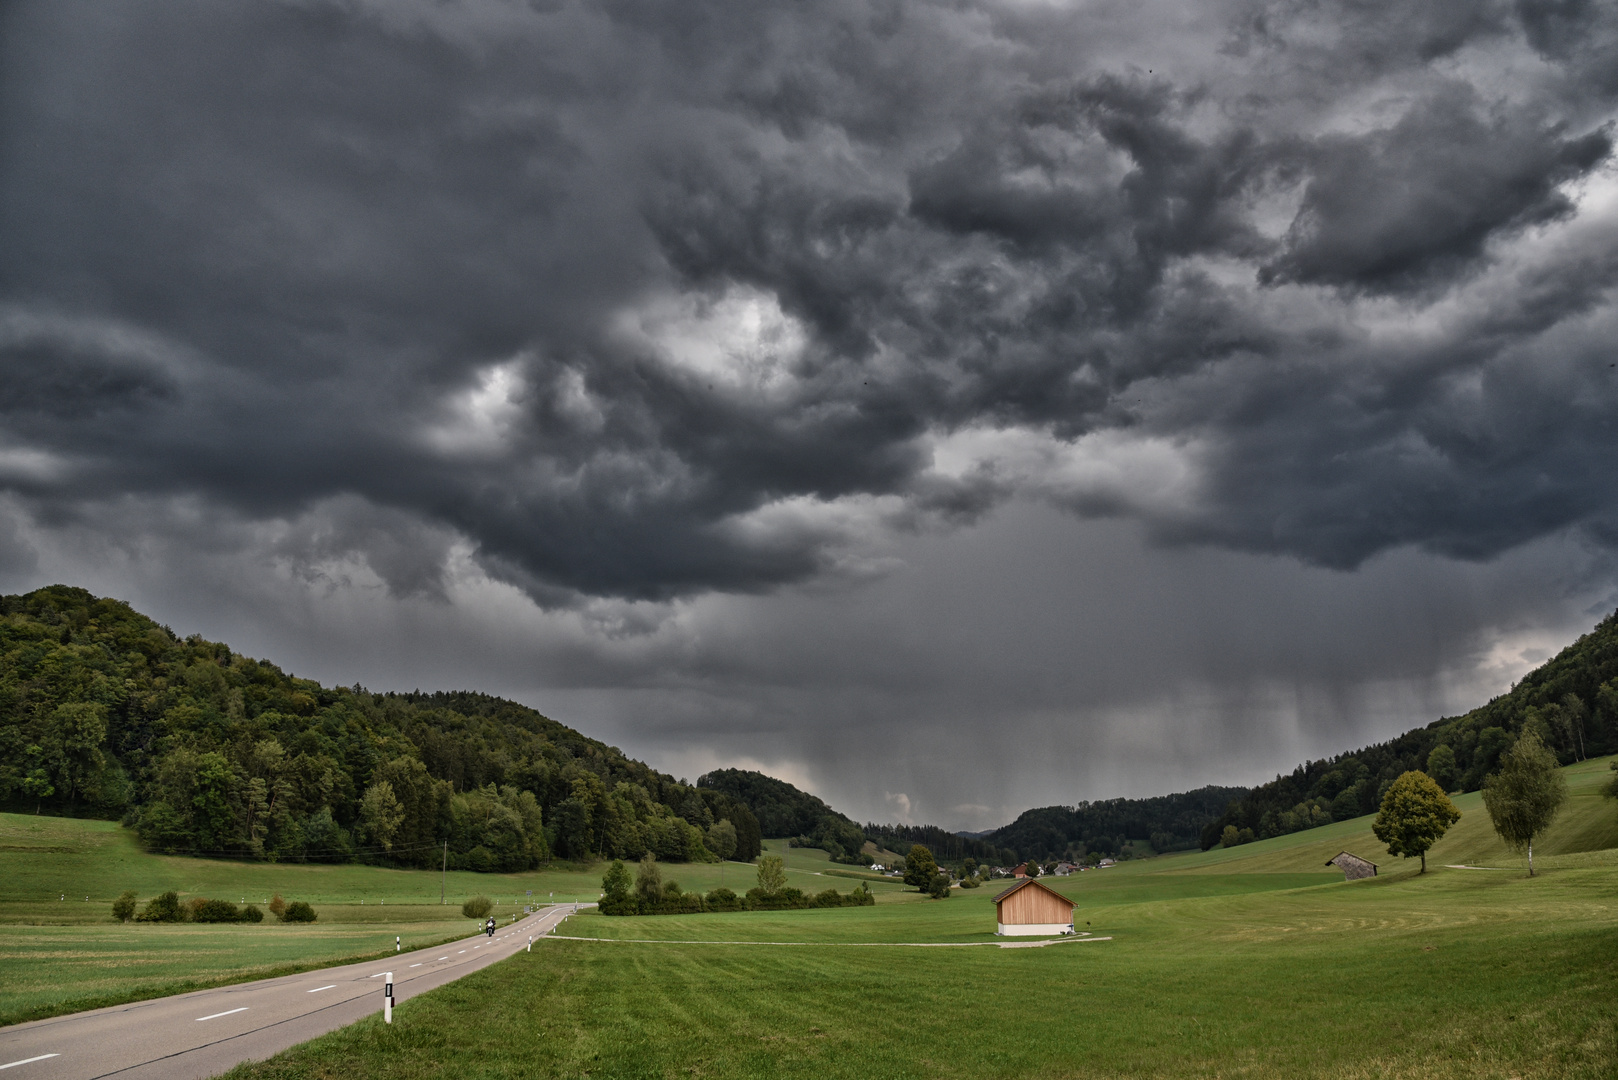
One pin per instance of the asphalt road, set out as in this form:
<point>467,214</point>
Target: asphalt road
<point>207,1032</point>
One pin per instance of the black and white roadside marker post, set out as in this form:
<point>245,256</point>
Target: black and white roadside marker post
<point>396,945</point>
<point>387,998</point>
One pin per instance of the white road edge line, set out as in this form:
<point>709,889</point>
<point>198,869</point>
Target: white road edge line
<point>26,1061</point>
<point>216,1016</point>
<point>318,989</point>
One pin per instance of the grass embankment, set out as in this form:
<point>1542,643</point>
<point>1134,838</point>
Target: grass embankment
<point>1252,962</point>
<point>61,955</point>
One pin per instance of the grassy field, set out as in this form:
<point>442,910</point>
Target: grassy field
<point>61,952</point>
<point>1256,961</point>
<point>1252,962</point>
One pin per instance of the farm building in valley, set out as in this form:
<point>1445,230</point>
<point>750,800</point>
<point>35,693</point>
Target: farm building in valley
<point>1352,866</point>
<point>1029,908</point>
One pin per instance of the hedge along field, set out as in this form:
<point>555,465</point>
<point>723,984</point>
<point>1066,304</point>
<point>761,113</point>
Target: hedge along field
<point>60,956</point>
<point>1452,974</point>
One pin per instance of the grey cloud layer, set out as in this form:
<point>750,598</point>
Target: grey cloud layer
<point>388,262</point>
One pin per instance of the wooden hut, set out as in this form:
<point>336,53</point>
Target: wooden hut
<point>1029,908</point>
<point>1352,866</point>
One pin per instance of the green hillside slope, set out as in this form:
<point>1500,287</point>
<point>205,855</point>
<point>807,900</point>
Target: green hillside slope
<point>105,713</point>
<point>1586,832</point>
<point>1571,701</point>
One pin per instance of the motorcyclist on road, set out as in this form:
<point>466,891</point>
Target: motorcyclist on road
<point>488,927</point>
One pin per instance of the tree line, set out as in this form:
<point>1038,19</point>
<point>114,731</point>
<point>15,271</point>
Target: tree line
<point>202,750</point>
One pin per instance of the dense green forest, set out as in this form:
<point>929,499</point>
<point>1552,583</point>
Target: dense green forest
<point>1571,701</point>
<point>946,847</point>
<point>1113,827</point>
<point>785,810</point>
<point>103,712</point>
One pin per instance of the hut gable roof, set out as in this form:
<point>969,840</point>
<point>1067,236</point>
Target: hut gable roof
<point>1333,860</point>
<point>1025,883</point>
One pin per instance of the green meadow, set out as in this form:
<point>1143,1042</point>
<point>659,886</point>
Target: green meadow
<point>61,952</point>
<point>1254,961</point>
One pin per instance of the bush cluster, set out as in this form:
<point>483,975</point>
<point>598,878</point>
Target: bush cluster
<point>649,895</point>
<point>167,908</point>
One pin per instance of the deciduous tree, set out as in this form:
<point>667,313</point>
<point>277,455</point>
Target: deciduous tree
<point>1441,766</point>
<point>1415,814</point>
<point>381,814</point>
<point>772,874</point>
<point>721,839</point>
<point>1524,797</point>
<point>649,882</point>
<point>920,868</point>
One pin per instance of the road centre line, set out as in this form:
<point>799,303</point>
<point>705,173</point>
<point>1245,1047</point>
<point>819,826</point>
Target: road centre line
<point>27,1061</point>
<point>418,965</point>
<point>318,989</point>
<point>216,1016</point>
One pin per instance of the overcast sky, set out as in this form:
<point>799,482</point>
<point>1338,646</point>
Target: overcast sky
<point>948,407</point>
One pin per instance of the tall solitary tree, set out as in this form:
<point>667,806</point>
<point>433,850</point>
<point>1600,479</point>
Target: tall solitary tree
<point>649,882</point>
<point>615,886</point>
<point>1415,814</point>
<point>1523,798</point>
<point>772,874</point>
<point>920,868</point>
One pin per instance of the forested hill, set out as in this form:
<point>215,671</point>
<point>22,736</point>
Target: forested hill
<point>1115,826</point>
<point>785,810</point>
<point>1571,701</point>
<point>104,712</point>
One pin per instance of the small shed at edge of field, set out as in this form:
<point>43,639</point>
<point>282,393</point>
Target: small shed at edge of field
<point>1352,866</point>
<point>1029,908</point>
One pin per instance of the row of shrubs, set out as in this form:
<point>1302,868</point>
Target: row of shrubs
<point>168,908</point>
<point>648,894</point>
<point>672,901</point>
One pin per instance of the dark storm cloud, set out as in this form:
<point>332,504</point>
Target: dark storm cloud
<point>639,300</point>
<point>1391,210</point>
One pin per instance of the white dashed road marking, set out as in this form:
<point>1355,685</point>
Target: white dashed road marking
<point>215,1016</point>
<point>26,1061</point>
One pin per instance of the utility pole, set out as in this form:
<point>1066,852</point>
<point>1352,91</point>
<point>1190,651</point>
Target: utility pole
<point>442,873</point>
